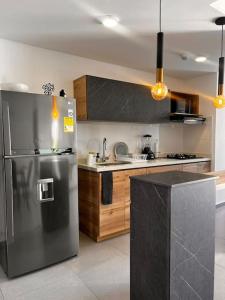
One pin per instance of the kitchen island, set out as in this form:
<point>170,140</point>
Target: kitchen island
<point>172,236</point>
<point>102,221</point>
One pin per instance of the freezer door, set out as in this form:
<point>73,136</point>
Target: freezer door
<point>42,213</point>
<point>33,122</point>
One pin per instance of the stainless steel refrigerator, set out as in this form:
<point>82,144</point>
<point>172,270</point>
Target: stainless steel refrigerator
<point>38,181</point>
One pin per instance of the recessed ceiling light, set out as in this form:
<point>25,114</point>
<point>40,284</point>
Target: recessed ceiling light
<point>219,5</point>
<point>200,59</point>
<point>110,21</point>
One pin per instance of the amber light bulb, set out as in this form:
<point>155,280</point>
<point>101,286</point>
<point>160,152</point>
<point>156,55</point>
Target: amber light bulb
<point>219,101</point>
<point>159,91</point>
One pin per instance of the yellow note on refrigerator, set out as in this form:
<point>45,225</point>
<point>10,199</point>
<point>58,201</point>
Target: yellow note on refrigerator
<point>68,124</point>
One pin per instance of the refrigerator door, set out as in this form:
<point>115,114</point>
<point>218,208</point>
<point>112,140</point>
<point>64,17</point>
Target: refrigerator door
<point>35,122</point>
<point>42,213</point>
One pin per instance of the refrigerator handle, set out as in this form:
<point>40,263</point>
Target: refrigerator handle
<point>10,206</point>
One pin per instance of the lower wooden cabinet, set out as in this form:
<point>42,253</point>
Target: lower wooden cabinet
<point>164,169</point>
<point>111,221</point>
<point>201,167</point>
<point>104,221</point>
<point>127,216</point>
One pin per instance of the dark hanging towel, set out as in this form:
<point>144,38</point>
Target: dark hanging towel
<point>107,188</point>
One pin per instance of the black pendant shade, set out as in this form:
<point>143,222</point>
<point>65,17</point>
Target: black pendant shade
<point>159,50</point>
<point>159,91</point>
<point>159,62</point>
<point>221,76</point>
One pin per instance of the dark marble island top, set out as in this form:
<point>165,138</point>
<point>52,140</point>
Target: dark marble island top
<point>174,178</point>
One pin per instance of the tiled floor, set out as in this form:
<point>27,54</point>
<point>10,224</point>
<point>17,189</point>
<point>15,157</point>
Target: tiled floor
<point>100,272</point>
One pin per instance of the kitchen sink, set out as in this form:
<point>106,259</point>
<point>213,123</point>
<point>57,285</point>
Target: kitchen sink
<point>104,164</point>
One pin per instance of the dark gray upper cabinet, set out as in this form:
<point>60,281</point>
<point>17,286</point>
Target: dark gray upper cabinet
<point>100,99</point>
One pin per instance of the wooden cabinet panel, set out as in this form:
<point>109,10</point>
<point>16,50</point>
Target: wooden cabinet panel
<point>89,219</point>
<point>201,167</point>
<point>127,216</point>
<point>89,186</point>
<point>80,93</point>
<point>129,173</point>
<point>204,167</point>
<point>164,169</point>
<point>190,168</point>
<point>112,221</point>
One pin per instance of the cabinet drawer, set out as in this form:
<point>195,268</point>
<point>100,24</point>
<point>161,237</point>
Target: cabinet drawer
<point>112,221</point>
<point>164,169</point>
<point>201,167</point>
<point>204,167</point>
<point>190,168</point>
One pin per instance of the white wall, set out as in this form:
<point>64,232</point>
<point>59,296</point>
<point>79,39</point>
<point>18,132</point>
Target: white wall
<point>35,66</point>
<point>91,134</point>
<point>201,139</point>
<point>220,140</point>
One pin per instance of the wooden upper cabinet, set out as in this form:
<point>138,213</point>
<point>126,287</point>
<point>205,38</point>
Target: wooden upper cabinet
<point>80,94</point>
<point>101,99</point>
<point>185,103</point>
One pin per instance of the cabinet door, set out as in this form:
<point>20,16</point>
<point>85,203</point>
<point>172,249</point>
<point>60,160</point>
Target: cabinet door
<point>112,100</point>
<point>133,172</point>
<point>147,110</point>
<point>109,100</point>
<point>112,221</point>
<point>121,187</point>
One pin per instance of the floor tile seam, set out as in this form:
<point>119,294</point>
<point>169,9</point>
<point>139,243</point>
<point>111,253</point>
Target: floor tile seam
<point>90,289</point>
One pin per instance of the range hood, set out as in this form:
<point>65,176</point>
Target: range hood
<point>186,118</point>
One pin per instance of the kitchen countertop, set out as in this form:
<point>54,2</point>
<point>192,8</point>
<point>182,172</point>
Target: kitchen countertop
<point>147,164</point>
<point>220,187</point>
<point>174,178</point>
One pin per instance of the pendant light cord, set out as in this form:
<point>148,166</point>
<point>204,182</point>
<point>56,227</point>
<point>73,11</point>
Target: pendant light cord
<point>160,15</point>
<point>221,42</point>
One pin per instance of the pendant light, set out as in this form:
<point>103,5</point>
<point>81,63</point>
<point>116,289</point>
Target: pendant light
<point>219,101</point>
<point>159,90</point>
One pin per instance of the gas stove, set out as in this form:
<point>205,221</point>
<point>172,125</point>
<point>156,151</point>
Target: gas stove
<point>181,156</point>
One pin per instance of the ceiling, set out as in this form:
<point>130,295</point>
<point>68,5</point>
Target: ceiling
<point>72,26</point>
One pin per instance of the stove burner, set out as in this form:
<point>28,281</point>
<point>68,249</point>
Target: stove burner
<point>181,156</point>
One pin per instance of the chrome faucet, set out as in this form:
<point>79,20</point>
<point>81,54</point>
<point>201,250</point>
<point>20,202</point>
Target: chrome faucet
<point>104,149</point>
